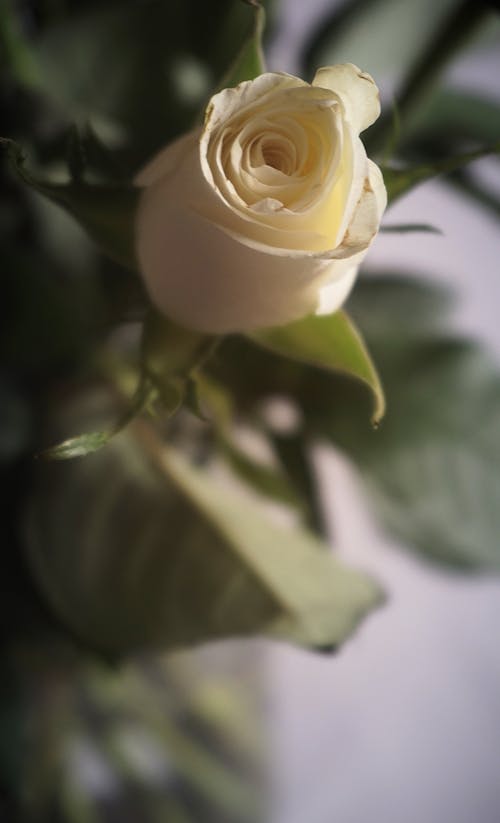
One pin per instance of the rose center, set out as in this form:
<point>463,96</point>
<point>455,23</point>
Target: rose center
<point>275,155</point>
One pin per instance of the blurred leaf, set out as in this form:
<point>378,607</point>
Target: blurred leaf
<point>250,62</point>
<point>295,457</point>
<point>432,468</point>
<point>105,211</point>
<point>456,115</point>
<point>331,342</point>
<point>400,181</point>
<point>406,228</point>
<point>432,471</point>
<point>135,548</point>
<point>78,446</point>
<point>15,53</point>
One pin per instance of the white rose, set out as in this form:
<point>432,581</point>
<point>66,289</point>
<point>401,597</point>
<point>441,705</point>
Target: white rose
<point>264,215</point>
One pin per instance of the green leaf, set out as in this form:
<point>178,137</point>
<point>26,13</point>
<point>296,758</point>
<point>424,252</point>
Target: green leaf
<point>331,342</point>
<point>400,181</point>
<point>105,211</point>
<point>432,471</point>
<point>89,442</point>
<point>78,446</point>
<point>136,548</point>
<point>250,62</point>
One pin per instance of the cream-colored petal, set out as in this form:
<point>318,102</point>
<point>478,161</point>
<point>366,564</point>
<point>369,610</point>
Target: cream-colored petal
<point>205,278</point>
<point>227,102</point>
<point>356,89</point>
<point>332,295</point>
<point>369,210</point>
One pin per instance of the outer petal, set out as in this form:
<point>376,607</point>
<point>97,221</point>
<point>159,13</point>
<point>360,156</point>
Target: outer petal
<point>205,278</point>
<point>359,235</point>
<point>333,294</point>
<point>356,89</point>
<point>210,277</point>
<point>231,101</point>
<point>368,213</point>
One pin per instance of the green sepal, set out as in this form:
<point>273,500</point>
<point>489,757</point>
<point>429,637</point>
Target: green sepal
<point>330,342</point>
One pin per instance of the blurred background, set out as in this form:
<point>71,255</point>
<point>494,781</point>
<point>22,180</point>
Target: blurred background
<point>403,723</point>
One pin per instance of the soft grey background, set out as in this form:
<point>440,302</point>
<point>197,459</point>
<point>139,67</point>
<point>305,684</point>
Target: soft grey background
<point>404,725</point>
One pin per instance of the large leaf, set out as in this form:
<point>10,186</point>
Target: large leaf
<point>134,547</point>
<point>433,469</point>
<point>331,342</point>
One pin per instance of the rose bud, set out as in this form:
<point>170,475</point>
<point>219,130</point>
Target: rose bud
<point>263,215</point>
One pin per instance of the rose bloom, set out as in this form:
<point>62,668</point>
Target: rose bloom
<point>263,215</point>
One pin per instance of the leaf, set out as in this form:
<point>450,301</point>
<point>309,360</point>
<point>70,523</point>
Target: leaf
<point>432,471</point>
<point>250,62</point>
<point>400,181</point>
<point>455,115</point>
<point>89,442</point>
<point>78,446</point>
<point>331,342</point>
<point>105,211</point>
<point>406,228</point>
<point>295,457</point>
<point>135,548</point>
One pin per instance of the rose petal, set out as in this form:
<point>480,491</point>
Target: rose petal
<point>333,294</point>
<point>206,278</point>
<point>366,218</point>
<point>355,88</point>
